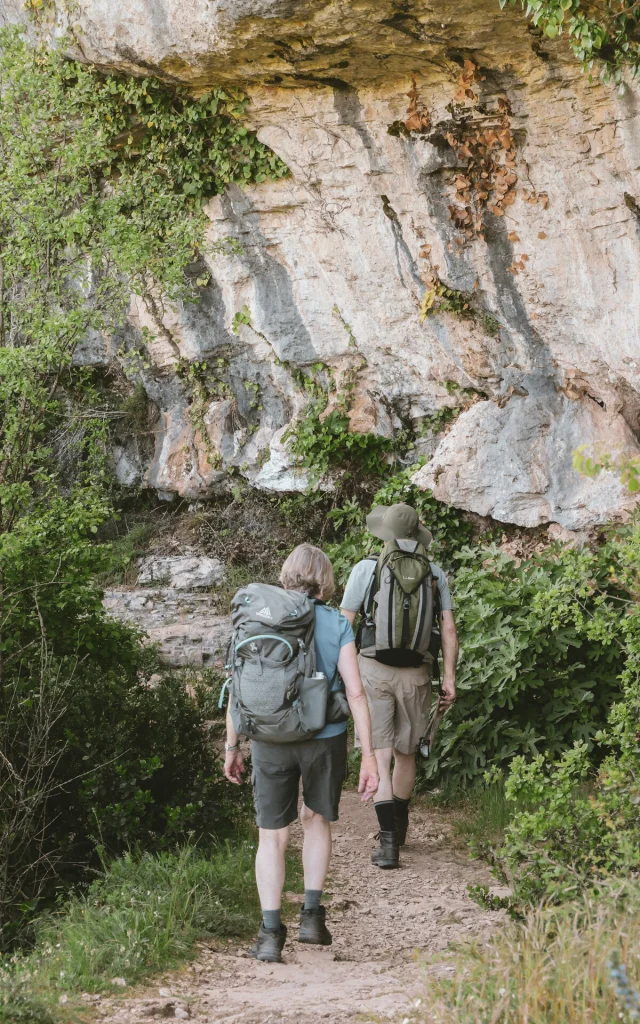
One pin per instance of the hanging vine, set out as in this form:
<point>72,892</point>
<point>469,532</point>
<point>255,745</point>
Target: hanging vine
<point>603,34</point>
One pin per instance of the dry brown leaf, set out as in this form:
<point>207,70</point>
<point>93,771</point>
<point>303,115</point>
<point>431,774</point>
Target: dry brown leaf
<point>414,123</point>
<point>513,237</point>
<point>542,234</point>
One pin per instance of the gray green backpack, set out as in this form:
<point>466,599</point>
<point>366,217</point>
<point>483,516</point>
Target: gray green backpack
<point>397,616</point>
<point>276,695</point>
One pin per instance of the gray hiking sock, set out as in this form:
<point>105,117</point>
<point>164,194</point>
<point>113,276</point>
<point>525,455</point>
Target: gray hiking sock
<point>271,920</point>
<point>386,819</point>
<point>312,898</point>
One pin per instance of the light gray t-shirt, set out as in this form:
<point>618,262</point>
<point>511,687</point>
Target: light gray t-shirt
<point>357,586</point>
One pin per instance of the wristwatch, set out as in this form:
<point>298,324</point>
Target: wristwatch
<point>229,746</point>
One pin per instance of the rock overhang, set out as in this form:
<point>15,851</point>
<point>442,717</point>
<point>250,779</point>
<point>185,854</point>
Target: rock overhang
<point>348,232</point>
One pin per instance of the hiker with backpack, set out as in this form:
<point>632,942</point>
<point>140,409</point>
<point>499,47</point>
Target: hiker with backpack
<point>289,657</point>
<point>406,612</point>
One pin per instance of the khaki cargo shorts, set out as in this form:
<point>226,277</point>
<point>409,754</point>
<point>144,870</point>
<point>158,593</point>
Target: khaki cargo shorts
<point>399,703</point>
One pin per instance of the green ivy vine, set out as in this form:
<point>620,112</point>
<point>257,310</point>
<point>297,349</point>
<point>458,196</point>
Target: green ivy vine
<point>606,33</point>
<point>103,180</point>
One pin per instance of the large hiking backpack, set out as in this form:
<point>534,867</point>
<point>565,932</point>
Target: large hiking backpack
<point>276,695</point>
<point>397,618</point>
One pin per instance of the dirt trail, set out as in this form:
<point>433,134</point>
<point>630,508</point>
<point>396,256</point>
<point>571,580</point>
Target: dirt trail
<point>379,919</point>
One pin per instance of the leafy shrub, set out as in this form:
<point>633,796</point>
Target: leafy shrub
<point>126,766</point>
<point>555,968</point>
<point>149,773</point>
<point>321,443</point>
<point>581,828</point>
<point>91,755</point>
<point>534,676</point>
<point>603,34</point>
<point>577,835</point>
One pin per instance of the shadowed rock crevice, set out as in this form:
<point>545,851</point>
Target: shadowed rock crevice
<point>401,247</point>
<point>349,109</point>
<point>275,310</point>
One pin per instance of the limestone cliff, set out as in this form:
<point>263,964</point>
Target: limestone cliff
<point>499,173</point>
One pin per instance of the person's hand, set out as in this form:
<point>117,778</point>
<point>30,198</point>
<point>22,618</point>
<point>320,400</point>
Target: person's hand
<point>234,766</point>
<point>447,693</point>
<point>369,781</point>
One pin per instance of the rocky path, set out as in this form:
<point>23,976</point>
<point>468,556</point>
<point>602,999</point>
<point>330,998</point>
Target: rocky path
<point>381,921</point>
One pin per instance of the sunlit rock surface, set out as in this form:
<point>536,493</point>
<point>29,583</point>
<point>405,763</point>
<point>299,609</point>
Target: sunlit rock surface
<point>335,258</point>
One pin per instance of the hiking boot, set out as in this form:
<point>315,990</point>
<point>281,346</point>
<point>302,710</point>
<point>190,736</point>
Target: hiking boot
<point>401,831</point>
<point>268,945</point>
<point>312,927</point>
<point>386,854</point>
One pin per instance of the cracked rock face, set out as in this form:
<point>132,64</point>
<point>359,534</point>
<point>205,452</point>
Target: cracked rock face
<point>336,258</point>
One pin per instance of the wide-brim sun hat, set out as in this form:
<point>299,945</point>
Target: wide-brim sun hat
<point>397,522</point>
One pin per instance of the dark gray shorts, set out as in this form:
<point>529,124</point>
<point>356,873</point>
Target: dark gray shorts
<point>278,768</point>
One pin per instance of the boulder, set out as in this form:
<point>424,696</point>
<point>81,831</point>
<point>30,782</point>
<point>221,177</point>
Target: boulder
<point>514,462</point>
<point>180,572</point>
<point>183,624</point>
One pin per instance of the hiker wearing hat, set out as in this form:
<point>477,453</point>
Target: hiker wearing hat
<point>402,598</point>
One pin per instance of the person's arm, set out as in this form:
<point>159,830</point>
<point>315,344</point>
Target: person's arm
<point>233,759</point>
<point>355,592</point>
<point>348,669</point>
<point>449,640</point>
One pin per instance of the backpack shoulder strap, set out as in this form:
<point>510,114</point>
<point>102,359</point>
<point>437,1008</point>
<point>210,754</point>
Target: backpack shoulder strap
<point>367,604</point>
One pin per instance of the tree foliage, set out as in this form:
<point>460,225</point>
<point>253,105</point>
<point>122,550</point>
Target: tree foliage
<point>102,182</point>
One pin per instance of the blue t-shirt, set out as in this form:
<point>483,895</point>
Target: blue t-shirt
<point>332,632</point>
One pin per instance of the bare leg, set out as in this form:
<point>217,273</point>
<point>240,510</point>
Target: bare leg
<point>316,848</point>
<point>383,757</point>
<point>270,866</point>
<point>404,775</point>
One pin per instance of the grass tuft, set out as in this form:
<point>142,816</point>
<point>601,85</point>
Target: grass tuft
<point>556,968</point>
<point>482,817</point>
<point>143,916</point>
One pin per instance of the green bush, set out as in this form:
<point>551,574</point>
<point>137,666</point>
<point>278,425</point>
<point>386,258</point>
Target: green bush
<point>322,443</point>
<point>534,676</point>
<point>125,766</point>
<point>92,755</point>
<point>582,827</point>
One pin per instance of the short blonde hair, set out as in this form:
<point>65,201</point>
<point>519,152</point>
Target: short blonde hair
<point>308,569</point>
